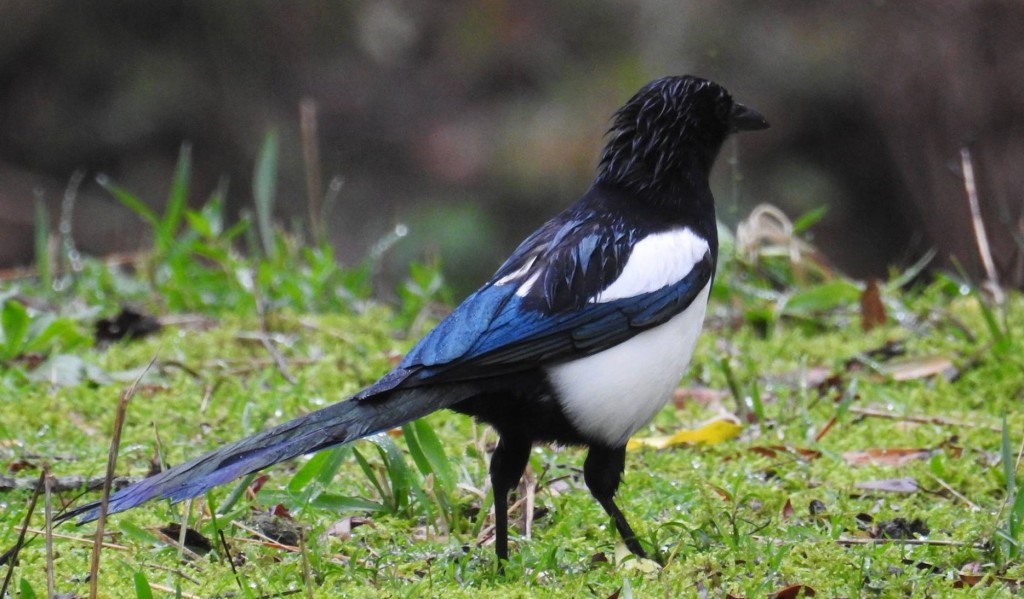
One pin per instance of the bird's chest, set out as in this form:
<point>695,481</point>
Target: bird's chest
<point>608,396</point>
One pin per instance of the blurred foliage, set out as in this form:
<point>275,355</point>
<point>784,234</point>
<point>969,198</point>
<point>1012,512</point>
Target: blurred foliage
<point>448,117</point>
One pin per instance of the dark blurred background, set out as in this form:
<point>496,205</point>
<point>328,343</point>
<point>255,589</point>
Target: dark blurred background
<point>473,121</point>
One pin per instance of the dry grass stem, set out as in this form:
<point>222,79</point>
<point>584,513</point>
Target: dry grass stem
<point>956,493</point>
<point>174,592</point>
<point>89,540</point>
<point>307,576</point>
<point>984,249</point>
<point>279,361</point>
<point>530,484</point>
<point>194,557</point>
<point>115,444</point>
<point>12,554</point>
<point>265,538</point>
<point>183,528</point>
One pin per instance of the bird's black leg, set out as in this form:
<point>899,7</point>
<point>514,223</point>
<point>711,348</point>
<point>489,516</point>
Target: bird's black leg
<point>507,466</point>
<point>602,472</point>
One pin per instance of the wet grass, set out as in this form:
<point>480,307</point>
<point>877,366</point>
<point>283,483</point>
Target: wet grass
<point>930,400</point>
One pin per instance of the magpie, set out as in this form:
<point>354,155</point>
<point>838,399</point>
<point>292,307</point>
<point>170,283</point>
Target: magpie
<point>580,336</point>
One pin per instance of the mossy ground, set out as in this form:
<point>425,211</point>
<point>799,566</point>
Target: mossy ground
<point>716,514</point>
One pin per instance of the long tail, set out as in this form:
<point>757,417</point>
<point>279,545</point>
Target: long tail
<point>336,424</point>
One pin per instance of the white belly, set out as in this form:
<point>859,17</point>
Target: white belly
<point>610,395</point>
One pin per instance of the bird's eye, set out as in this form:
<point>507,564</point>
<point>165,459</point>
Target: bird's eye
<point>723,110</point>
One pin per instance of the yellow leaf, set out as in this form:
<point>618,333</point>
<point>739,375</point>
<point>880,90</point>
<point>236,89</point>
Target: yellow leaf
<point>627,561</point>
<point>716,430</point>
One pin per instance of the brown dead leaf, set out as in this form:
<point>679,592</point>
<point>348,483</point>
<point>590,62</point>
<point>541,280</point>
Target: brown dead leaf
<point>257,483</point>
<point>810,377</point>
<point>721,492</point>
<point>886,456</point>
<point>920,368</point>
<point>890,485</point>
<point>971,579</point>
<point>702,396</point>
<point>967,580</point>
<point>773,451</point>
<point>22,464</point>
<point>794,591</point>
<point>341,529</point>
<point>872,310</point>
<point>787,510</point>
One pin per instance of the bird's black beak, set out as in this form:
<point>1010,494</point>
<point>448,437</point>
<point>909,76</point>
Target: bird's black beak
<point>743,118</point>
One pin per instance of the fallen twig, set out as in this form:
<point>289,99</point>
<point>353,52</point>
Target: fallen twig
<point>886,541</point>
<point>62,484</point>
<point>881,541</point>
<point>919,419</point>
<point>179,573</point>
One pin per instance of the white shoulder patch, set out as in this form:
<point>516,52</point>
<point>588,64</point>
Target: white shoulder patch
<point>518,274</point>
<point>656,261</point>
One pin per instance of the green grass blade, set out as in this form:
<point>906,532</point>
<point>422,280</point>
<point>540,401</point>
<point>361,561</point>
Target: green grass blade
<point>14,324</point>
<point>809,219</point>
<point>42,246</point>
<point>823,297</point>
<point>133,531</point>
<point>263,185</point>
<point>142,589</point>
<point>177,200</point>
<point>26,590</point>
<point>398,472</point>
<point>320,468</point>
<point>911,273</point>
<point>1017,515</point>
<point>47,333</point>
<point>434,452</point>
<point>237,493</point>
<point>1006,455</point>
<point>368,471</point>
<point>337,504</point>
<point>130,202</point>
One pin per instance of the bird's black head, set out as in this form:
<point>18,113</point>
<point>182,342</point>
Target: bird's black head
<point>666,138</point>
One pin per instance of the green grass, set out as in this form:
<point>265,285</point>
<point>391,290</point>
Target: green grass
<point>418,500</point>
